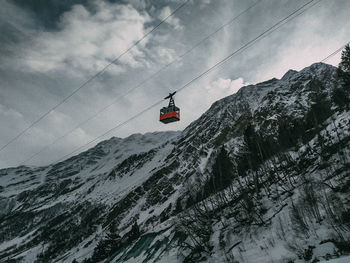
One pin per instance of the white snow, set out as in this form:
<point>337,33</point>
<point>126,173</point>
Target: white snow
<point>338,260</point>
<point>204,161</point>
<point>277,241</point>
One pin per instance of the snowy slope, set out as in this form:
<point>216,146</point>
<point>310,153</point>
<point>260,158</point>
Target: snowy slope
<point>154,197</point>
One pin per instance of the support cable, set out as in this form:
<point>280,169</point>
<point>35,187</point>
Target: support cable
<point>271,29</point>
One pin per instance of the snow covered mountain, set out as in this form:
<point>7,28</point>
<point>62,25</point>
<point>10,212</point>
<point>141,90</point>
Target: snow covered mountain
<point>262,176</point>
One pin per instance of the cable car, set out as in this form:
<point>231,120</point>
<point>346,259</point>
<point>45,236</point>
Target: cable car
<point>171,113</point>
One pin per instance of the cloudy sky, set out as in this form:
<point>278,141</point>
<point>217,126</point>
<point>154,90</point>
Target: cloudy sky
<point>48,48</point>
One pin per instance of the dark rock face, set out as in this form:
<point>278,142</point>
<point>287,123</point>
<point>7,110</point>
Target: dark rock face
<point>268,165</point>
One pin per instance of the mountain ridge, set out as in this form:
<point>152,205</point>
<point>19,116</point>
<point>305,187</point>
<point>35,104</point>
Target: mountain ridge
<point>146,190</point>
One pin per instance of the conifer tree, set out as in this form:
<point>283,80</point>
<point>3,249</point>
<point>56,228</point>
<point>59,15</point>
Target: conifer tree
<point>222,174</point>
<point>345,60</point>
<point>342,96</point>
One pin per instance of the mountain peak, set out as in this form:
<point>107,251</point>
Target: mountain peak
<point>289,74</point>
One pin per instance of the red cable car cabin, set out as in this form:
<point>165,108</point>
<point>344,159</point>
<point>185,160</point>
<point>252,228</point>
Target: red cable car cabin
<point>170,113</point>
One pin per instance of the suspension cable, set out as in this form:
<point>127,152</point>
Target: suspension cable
<point>116,99</point>
<point>270,30</point>
<point>335,52</point>
<point>92,78</point>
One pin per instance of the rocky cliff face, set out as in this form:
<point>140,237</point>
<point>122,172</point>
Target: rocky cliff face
<point>262,176</point>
